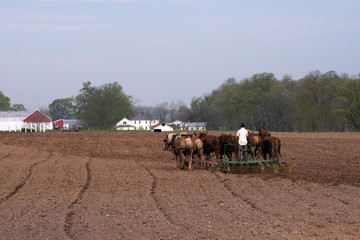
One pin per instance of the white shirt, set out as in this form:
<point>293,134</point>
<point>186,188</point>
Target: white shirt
<point>242,134</point>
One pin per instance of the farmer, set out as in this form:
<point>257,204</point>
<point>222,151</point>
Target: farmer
<point>242,134</point>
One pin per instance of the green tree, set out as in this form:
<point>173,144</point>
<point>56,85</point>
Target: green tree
<point>4,102</point>
<point>248,103</point>
<point>316,101</point>
<point>17,107</point>
<point>62,108</point>
<point>221,107</point>
<point>349,97</point>
<point>101,107</point>
<point>278,110</point>
<point>232,103</point>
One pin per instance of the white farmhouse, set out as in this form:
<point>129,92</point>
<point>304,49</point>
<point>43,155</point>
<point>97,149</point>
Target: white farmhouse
<point>139,122</point>
<point>124,124</point>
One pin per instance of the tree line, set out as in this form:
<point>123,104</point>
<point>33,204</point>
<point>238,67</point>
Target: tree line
<point>318,102</point>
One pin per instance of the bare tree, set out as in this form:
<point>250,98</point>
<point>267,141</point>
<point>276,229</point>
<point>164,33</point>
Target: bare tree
<point>161,110</point>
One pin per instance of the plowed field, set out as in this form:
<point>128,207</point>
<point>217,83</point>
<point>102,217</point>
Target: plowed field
<point>124,186</point>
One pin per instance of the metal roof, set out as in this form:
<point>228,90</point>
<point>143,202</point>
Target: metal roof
<point>140,116</point>
<point>195,124</point>
<point>15,114</point>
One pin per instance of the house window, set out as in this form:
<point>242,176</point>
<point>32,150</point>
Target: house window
<point>135,122</point>
<point>124,122</point>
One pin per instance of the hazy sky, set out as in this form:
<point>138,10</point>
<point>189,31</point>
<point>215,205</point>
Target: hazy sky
<point>164,50</point>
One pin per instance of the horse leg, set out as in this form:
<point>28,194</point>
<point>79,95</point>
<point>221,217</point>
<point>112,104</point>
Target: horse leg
<point>182,157</point>
<point>190,158</point>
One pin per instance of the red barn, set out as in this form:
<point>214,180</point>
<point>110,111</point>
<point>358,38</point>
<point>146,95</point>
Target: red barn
<point>37,117</point>
<point>38,121</point>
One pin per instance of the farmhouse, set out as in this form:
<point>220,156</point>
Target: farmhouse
<point>124,124</point>
<point>143,122</point>
<point>18,120</point>
<point>139,122</point>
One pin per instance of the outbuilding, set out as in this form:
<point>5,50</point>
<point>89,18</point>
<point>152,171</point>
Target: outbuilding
<point>68,124</point>
<point>162,127</point>
<point>24,120</point>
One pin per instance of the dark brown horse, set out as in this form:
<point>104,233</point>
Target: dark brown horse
<point>211,144</point>
<point>228,145</point>
<point>271,147</point>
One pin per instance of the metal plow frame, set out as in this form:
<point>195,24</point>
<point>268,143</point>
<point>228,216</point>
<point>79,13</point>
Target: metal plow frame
<point>252,166</point>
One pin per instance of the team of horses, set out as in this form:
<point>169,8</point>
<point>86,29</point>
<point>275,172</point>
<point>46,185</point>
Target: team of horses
<point>188,146</point>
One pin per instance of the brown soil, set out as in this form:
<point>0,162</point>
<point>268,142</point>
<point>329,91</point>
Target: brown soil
<point>124,186</point>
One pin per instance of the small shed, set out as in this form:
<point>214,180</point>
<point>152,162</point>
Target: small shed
<point>68,124</point>
<point>162,127</point>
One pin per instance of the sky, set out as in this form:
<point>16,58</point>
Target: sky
<point>168,50</point>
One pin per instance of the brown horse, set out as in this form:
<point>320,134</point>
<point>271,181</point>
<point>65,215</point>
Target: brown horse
<point>271,147</point>
<point>198,147</point>
<point>228,145</point>
<point>183,149</point>
<point>256,144</point>
<point>211,144</point>
<point>167,141</point>
<point>263,133</point>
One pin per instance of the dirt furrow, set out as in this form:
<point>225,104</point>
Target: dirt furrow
<point>41,204</point>
<point>154,197</point>
<point>228,188</point>
<point>23,182</point>
<point>69,216</point>
<point>6,156</point>
<point>178,225</point>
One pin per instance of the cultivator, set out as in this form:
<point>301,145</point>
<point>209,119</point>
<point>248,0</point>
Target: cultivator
<point>253,167</point>
<point>244,167</point>
<point>226,165</point>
